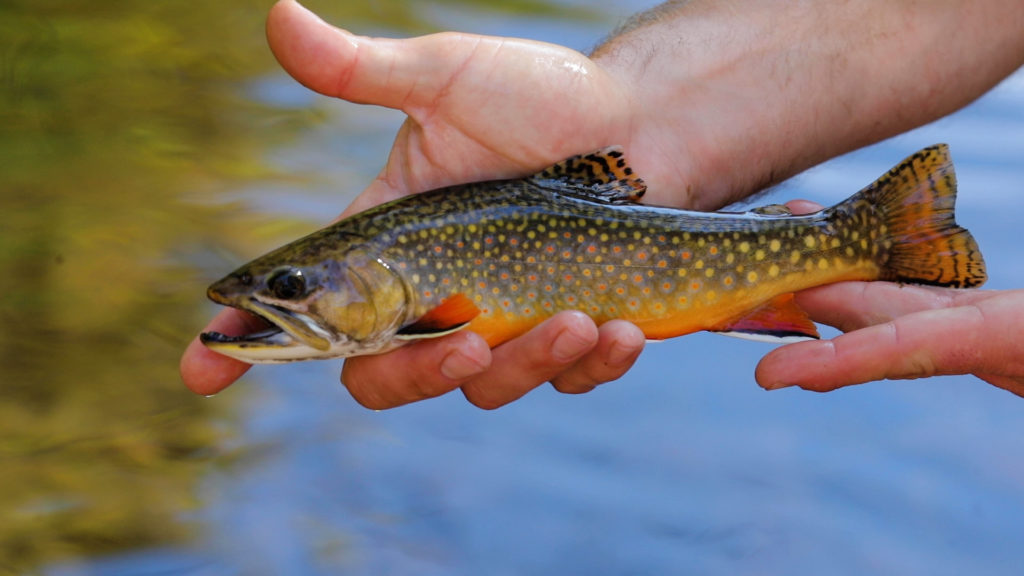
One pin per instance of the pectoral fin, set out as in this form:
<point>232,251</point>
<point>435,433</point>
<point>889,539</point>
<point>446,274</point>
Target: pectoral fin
<point>452,315</point>
<point>778,320</point>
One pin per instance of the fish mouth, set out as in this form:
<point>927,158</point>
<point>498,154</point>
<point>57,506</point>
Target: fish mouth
<point>289,335</point>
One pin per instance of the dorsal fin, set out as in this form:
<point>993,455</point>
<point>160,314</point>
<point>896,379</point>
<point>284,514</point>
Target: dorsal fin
<point>453,314</point>
<point>601,176</point>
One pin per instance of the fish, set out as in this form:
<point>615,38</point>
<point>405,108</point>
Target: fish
<point>500,257</point>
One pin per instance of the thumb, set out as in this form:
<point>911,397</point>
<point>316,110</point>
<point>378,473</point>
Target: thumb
<point>380,71</point>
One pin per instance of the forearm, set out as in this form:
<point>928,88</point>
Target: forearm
<point>741,94</point>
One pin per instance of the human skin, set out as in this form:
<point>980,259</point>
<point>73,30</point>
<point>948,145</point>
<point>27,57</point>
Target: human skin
<point>712,100</point>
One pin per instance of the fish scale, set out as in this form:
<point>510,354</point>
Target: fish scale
<point>500,257</point>
<point>643,265</point>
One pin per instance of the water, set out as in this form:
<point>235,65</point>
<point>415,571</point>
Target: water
<point>683,466</point>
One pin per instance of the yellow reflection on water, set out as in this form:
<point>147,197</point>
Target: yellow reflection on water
<point>112,116</point>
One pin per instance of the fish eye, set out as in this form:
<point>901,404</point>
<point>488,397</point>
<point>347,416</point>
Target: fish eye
<point>287,284</point>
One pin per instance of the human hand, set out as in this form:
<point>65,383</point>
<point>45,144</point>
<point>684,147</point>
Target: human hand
<point>478,108</point>
<point>899,332</point>
<point>903,332</point>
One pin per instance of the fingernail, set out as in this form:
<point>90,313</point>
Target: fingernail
<point>459,366</point>
<point>569,345</point>
<point>777,385</point>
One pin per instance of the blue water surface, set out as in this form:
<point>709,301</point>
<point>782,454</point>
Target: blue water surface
<point>684,466</point>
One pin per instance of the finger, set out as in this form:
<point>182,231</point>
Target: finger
<point>852,305</point>
<point>619,344</point>
<point>522,364</point>
<point>206,372</point>
<point>919,345</point>
<point>803,206</point>
<point>422,370</point>
<point>381,71</point>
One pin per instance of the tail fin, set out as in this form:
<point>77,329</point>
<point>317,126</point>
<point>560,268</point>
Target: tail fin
<point>916,202</point>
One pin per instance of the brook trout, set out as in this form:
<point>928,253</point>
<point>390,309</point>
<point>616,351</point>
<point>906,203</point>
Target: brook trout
<point>500,257</point>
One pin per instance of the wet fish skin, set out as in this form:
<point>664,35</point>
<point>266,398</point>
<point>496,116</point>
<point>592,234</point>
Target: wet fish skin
<point>500,257</point>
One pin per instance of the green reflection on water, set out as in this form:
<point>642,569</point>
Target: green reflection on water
<point>115,117</point>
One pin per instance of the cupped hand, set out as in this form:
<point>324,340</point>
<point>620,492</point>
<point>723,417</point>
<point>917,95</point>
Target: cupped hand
<point>896,331</point>
<point>478,108</point>
<point>901,332</point>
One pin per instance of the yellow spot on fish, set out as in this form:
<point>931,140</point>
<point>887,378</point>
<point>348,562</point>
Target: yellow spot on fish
<point>744,247</point>
<point>823,264</point>
<point>751,276</point>
<point>775,245</point>
<point>810,242</point>
<point>773,271</point>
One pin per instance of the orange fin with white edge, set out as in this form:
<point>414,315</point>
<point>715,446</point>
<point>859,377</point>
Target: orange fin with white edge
<point>452,315</point>
<point>778,320</point>
<point>602,176</point>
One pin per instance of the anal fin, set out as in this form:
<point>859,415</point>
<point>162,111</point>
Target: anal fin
<point>452,315</point>
<point>779,319</point>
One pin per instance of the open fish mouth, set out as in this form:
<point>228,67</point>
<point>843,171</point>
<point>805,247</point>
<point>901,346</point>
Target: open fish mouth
<point>289,334</point>
<point>272,336</point>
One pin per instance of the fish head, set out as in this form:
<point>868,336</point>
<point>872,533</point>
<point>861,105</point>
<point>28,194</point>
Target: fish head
<point>346,303</point>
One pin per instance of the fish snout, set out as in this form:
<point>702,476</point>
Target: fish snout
<point>228,289</point>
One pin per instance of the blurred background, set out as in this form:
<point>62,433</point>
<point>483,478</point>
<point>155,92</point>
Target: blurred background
<point>146,148</point>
